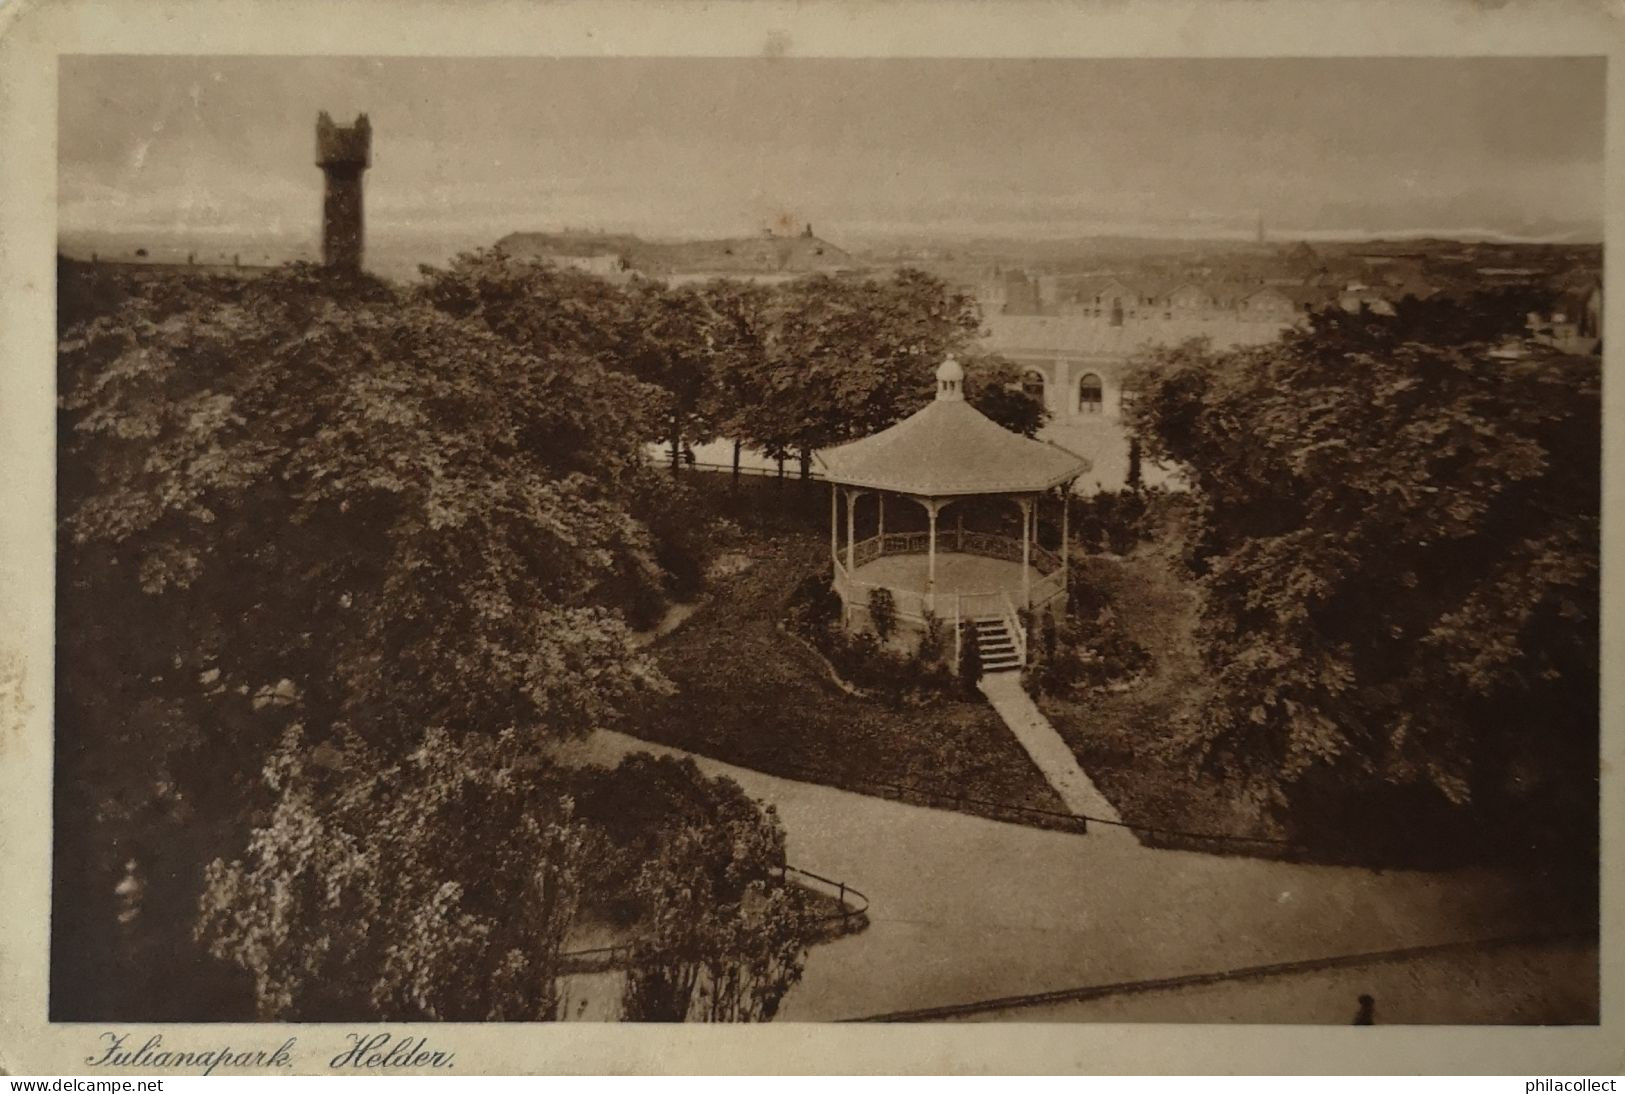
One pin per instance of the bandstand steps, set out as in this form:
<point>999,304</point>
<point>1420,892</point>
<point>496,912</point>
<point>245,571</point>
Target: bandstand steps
<point>996,647</point>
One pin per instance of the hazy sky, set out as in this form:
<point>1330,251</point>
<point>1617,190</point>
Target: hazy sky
<point>861,148</point>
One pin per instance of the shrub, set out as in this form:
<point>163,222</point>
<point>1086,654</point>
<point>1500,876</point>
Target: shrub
<point>932,640</point>
<point>813,607</point>
<point>1116,522</point>
<point>970,662</point>
<point>1083,599</point>
<point>882,612</point>
<point>1095,654</point>
<point>344,909</point>
<point>678,528</point>
<point>1049,636</point>
<point>695,865</point>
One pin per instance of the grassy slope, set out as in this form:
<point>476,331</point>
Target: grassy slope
<point>1116,735</point>
<point>751,695</point>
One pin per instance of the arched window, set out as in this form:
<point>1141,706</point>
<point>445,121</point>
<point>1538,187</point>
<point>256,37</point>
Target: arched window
<point>1091,394</point>
<point>1032,382</point>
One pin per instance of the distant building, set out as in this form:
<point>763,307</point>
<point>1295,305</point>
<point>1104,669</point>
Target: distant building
<point>1574,324</point>
<point>1123,300</point>
<point>767,256</point>
<point>1077,365</point>
<point>1357,296</point>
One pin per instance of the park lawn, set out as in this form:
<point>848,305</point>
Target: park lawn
<point>1119,736</point>
<point>749,694</point>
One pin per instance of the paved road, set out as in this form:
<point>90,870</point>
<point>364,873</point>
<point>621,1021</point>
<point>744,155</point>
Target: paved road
<point>1544,983</point>
<point>964,908</point>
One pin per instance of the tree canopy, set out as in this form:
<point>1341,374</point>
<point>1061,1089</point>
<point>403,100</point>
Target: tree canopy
<point>316,515</point>
<point>1396,539</point>
<point>786,368</point>
<point>220,440</point>
<point>845,359</point>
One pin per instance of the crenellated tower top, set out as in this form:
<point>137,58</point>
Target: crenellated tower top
<point>340,145</point>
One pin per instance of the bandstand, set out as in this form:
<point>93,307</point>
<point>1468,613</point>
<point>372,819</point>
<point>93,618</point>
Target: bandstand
<point>982,585</point>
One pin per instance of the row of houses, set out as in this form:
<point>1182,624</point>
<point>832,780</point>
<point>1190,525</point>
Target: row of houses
<point>1121,299</point>
<point>769,255</point>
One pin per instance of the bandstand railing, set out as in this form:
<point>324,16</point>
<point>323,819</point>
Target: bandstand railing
<point>955,542</point>
<point>1015,627</point>
<point>956,609</point>
<point>911,603</point>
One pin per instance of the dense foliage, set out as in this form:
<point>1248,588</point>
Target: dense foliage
<point>868,659</point>
<point>219,442</point>
<point>718,935</point>
<point>846,359</point>
<point>1090,649</point>
<point>1396,537</point>
<point>438,886</point>
<point>787,369</point>
<point>315,515</point>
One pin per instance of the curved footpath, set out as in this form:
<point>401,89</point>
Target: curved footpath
<point>965,909</point>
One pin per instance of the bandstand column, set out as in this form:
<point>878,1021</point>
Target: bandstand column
<point>1066,544</point>
<point>931,556</point>
<point>834,521</point>
<point>881,531</point>
<point>851,506</point>
<point>1026,552</point>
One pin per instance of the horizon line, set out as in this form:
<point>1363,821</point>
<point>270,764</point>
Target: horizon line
<point>1574,237</point>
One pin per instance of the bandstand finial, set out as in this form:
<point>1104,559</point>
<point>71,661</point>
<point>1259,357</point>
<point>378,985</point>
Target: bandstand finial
<point>950,380</point>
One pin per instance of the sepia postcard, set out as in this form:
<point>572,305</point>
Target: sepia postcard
<point>1022,537</point>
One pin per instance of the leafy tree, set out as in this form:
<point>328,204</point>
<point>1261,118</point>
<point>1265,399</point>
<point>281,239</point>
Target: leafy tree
<point>673,348</point>
<point>720,936</point>
<point>534,306</point>
<point>435,887</point>
<point>1396,536</point>
<point>739,335</point>
<point>221,439</point>
<point>845,359</point>
<point>993,386</point>
<point>318,501</point>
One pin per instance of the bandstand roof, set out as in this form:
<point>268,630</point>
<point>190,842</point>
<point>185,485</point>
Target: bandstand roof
<point>949,448</point>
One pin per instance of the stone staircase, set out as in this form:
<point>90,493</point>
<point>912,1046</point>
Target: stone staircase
<point>996,646</point>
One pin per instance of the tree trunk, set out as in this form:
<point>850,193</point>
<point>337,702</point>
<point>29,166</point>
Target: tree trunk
<point>806,465</point>
<point>737,446</point>
<point>676,443</point>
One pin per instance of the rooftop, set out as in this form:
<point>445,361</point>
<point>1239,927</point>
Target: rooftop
<point>949,448</point>
<point>1087,335</point>
<point>772,253</point>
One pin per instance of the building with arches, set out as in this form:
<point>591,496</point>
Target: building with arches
<point>1077,365</point>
